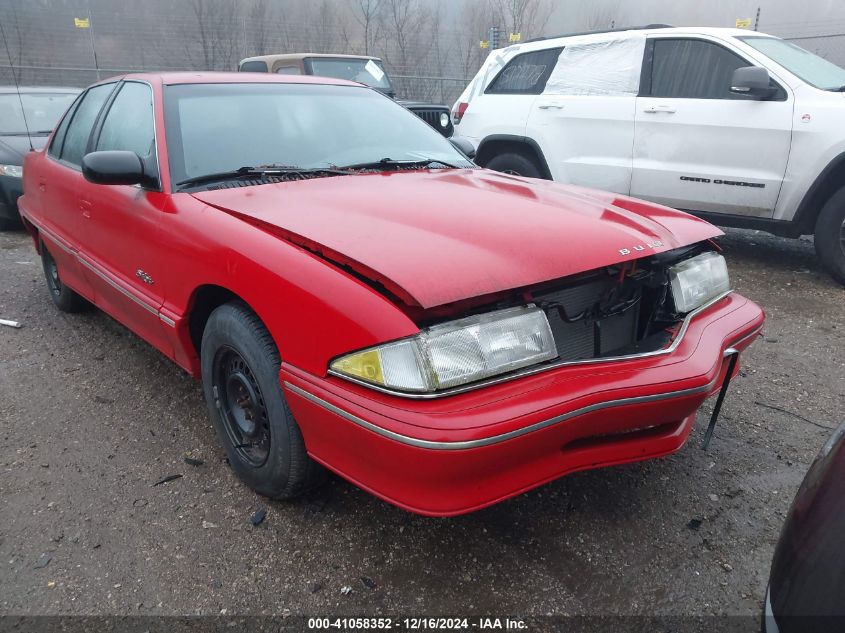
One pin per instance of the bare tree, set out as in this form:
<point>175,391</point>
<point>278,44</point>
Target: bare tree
<point>528,17</point>
<point>219,30</point>
<point>366,14</point>
<point>407,32</point>
<point>602,16</point>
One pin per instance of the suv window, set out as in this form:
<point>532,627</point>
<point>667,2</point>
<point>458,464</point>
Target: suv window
<point>59,137</point>
<point>693,69</point>
<point>288,70</point>
<point>129,123</point>
<point>526,73</point>
<point>253,67</point>
<point>79,130</point>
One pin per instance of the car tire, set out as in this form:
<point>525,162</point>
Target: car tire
<point>830,236</point>
<point>240,378</point>
<point>65,299</point>
<point>516,164</point>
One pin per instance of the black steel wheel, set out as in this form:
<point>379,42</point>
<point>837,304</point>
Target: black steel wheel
<point>242,407</point>
<point>64,297</point>
<point>240,377</point>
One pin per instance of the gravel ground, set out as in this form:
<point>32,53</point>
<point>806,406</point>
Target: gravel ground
<point>91,418</point>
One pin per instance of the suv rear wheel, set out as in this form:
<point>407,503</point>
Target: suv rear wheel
<point>830,236</point>
<point>516,164</point>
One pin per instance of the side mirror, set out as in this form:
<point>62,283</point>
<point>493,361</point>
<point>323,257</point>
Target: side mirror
<point>752,81</point>
<point>463,145</point>
<point>116,167</point>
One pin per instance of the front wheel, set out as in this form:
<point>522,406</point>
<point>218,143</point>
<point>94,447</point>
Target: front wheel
<point>240,377</point>
<point>830,236</point>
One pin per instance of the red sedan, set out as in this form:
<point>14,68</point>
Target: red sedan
<point>354,293</point>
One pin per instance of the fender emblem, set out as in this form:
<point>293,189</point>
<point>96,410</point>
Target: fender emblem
<point>640,247</point>
<point>140,274</point>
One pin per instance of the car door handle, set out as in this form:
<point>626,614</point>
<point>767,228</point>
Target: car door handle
<point>660,108</point>
<point>85,207</point>
<point>551,106</point>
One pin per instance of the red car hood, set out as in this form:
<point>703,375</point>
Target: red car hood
<point>438,236</point>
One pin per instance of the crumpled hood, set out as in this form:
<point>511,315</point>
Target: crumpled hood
<point>437,236</point>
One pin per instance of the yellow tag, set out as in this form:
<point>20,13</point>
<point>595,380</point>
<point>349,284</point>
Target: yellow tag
<point>743,23</point>
<point>82,23</point>
<point>484,44</point>
<point>515,37</point>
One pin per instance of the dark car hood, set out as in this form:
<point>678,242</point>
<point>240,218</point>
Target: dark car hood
<point>422,104</point>
<point>13,148</point>
<point>433,237</point>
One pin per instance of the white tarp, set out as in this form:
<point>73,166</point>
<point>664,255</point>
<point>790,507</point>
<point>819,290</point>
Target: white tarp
<point>611,67</point>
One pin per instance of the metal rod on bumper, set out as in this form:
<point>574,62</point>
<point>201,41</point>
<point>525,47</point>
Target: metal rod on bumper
<point>734,354</point>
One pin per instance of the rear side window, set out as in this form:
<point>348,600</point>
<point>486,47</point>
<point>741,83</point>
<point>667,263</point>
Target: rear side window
<point>59,137</point>
<point>254,67</point>
<point>79,130</point>
<point>288,70</point>
<point>693,69</point>
<point>129,124</point>
<point>526,73</point>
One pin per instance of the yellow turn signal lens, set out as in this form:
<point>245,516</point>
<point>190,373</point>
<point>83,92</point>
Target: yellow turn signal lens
<point>365,365</point>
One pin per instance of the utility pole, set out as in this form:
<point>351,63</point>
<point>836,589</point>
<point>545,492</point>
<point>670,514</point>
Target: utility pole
<point>494,37</point>
<point>757,19</point>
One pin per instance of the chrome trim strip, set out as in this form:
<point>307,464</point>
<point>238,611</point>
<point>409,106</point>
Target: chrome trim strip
<point>67,248</point>
<point>455,446</point>
<point>126,293</point>
<point>104,276</point>
<point>541,368</point>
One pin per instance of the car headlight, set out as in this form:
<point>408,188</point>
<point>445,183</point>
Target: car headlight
<point>456,352</point>
<point>15,171</point>
<point>444,120</point>
<point>697,280</point>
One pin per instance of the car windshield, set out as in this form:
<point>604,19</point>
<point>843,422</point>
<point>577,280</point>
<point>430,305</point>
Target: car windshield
<point>809,67</point>
<point>42,110</point>
<point>218,128</point>
<point>369,72</point>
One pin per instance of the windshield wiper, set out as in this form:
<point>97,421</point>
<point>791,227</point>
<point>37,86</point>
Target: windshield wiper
<point>262,171</point>
<point>386,163</point>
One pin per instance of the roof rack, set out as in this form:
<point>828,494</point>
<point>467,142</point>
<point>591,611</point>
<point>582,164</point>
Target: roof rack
<point>624,28</point>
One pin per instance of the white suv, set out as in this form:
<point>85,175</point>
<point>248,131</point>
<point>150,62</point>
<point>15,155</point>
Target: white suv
<point>741,128</point>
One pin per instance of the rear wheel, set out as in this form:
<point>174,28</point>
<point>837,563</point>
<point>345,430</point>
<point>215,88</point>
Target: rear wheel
<point>240,377</point>
<point>830,236</point>
<point>516,164</point>
<point>65,299</point>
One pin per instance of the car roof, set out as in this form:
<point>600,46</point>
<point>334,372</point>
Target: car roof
<point>657,29</point>
<point>39,89</point>
<point>173,78</point>
<point>292,57</point>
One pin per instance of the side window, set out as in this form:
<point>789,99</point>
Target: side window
<point>253,67</point>
<point>79,129</point>
<point>693,69</point>
<point>526,73</point>
<point>288,70</point>
<point>129,123</point>
<point>609,68</point>
<point>55,149</point>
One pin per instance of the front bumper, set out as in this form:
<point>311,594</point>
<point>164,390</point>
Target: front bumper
<point>457,454</point>
<point>10,190</point>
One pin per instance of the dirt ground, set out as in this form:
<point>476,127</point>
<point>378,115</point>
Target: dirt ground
<point>91,417</point>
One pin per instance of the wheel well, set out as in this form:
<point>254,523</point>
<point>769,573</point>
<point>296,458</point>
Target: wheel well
<point>494,147</point>
<point>205,301</point>
<point>828,183</point>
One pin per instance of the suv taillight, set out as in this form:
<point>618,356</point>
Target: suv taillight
<point>458,112</point>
